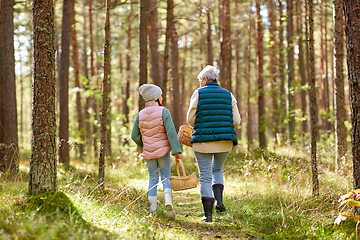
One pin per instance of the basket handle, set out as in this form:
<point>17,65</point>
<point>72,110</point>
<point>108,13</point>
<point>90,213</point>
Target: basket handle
<point>182,168</point>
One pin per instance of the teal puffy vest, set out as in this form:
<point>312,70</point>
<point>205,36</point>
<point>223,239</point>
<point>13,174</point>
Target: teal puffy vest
<point>214,118</point>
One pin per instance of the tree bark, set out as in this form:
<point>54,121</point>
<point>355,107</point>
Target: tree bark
<point>95,84</point>
<point>174,60</point>
<point>352,25</point>
<point>290,70</point>
<point>227,44</point>
<point>282,65</point>
<point>42,175</point>
<point>77,83</point>
<point>153,44</point>
<point>166,53</point>
<point>2,91</point>
<point>315,181</point>
<point>272,68</point>
<point>237,71</point>
<point>88,134</point>
<point>105,98</point>
<point>250,137</point>
<point>339,99</point>
<point>302,70</point>
<point>126,88</point>
<point>260,78</point>
<point>11,160</point>
<point>210,51</point>
<point>64,84</point>
<point>143,19</point>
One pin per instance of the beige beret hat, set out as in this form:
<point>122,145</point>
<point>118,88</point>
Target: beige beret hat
<point>150,92</point>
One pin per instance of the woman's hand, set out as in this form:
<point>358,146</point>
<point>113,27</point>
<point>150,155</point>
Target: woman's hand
<point>177,157</point>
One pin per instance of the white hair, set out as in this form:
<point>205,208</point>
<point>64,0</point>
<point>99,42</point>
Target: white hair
<point>210,72</point>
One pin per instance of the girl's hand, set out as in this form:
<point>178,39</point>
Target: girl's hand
<point>177,157</point>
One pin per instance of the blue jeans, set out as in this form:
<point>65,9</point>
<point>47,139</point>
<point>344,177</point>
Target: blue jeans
<point>164,165</point>
<point>210,171</point>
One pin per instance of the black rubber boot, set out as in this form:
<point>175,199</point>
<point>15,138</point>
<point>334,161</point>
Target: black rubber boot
<point>208,204</point>
<point>218,194</point>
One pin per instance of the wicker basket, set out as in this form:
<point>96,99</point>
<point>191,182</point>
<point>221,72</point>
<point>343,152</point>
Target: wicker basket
<point>179,183</point>
<point>184,135</point>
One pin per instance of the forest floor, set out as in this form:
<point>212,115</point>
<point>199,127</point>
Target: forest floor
<point>268,195</point>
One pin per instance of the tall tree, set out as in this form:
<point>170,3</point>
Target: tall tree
<point>2,91</point>
<point>302,71</point>
<point>225,44</point>
<point>248,79</point>
<point>352,23</point>
<point>174,60</point>
<point>105,88</point>
<point>315,181</point>
<point>291,66</point>
<point>77,83</point>
<point>260,78</point>
<point>91,80</point>
<point>64,83</point>
<point>153,44</point>
<point>237,67</point>
<point>87,104</point>
<point>143,18</point>
<point>339,98</point>
<point>272,68</point>
<point>210,51</point>
<point>282,65</point>
<point>126,88</point>
<point>42,175</point>
<point>11,160</point>
<point>166,51</point>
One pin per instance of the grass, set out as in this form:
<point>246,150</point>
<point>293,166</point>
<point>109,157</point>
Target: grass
<point>267,196</point>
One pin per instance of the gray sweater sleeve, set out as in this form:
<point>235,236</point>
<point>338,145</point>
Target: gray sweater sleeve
<point>171,132</point>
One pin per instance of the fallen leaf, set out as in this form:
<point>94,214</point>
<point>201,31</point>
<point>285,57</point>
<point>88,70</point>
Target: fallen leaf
<point>339,219</point>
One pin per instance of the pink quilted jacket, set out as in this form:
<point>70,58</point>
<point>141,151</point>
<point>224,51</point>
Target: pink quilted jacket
<point>154,137</point>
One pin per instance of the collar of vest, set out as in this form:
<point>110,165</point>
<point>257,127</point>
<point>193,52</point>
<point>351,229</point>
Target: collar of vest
<point>211,84</point>
<point>151,104</point>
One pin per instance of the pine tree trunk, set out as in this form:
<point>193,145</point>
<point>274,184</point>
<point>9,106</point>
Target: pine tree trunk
<point>210,51</point>
<point>227,45</point>
<point>282,65</point>
<point>315,181</point>
<point>11,161</point>
<point>250,137</point>
<point>290,70</point>
<point>302,71</point>
<point>64,84</point>
<point>339,99</point>
<point>222,74</point>
<point>2,96</point>
<point>237,70</point>
<point>153,44</point>
<point>352,26</point>
<point>126,88</point>
<point>272,68</point>
<point>93,100</point>
<point>143,19</point>
<point>87,134</point>
<point>260,78</point>
<point>105,92</point>
<point>174,60</point>
<point>77,83</point>
<point>42,175</point>
<point>166,52</point>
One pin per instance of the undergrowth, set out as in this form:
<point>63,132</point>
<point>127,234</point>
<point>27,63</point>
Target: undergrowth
<point>267,196</point>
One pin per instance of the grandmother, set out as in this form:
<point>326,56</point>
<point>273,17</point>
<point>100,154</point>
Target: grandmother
<point>214,114</point>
